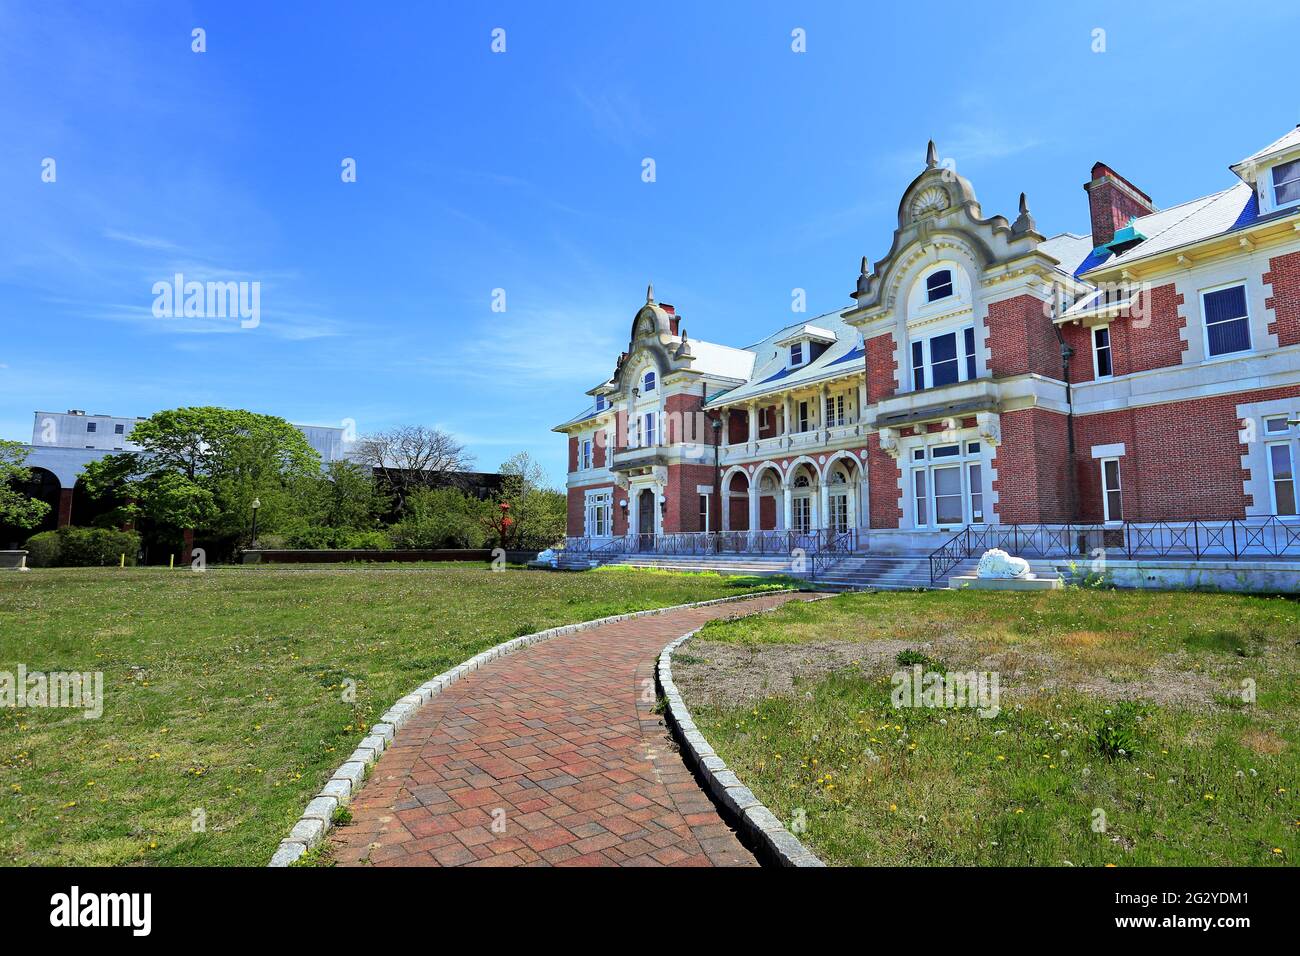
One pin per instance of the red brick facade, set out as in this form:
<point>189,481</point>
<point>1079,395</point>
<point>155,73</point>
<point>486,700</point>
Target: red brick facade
<point>1284,277</point>
<point>1032,478</point>
<point>883,476</point>
<point>882,367</point>
<point>1021,338</point>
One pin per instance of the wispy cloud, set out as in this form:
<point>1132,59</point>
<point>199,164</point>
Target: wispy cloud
<point>143,242</point>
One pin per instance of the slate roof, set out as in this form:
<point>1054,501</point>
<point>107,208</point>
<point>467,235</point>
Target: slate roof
<point>1188,222</point>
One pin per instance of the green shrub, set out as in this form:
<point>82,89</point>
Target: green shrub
<point>318,538</point>
<point>82,547</point>
<point>441,518</point>
<point>43,549</point>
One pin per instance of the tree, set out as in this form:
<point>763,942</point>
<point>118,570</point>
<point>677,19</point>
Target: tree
<point>345,495</point>
<point>199,470</point>
<point>536,515</point>
<point>412,457</point>
<point>16,508</point>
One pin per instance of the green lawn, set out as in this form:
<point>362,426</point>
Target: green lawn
<point>223,691</point>
<point>1206,778</point>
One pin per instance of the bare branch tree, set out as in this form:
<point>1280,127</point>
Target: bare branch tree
<point>412,457</point>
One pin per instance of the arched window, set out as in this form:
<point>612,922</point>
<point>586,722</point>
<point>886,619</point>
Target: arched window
<point>648,383</point>
<point>938,285</point>
<point>801,481</point>
<point>838,477</point>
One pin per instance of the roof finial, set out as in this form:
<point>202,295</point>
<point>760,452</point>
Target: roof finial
<point>1024,222</point>
<point>931,156</point>
<point>864,265</point>
<point>650,294</point>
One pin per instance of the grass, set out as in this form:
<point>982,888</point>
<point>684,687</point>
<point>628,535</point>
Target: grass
<point>226,692</point>
<point>1205,779</point>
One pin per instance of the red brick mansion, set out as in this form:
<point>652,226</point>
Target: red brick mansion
<point>985,375</point>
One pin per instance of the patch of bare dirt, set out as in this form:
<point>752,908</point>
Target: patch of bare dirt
<point>735,674</point>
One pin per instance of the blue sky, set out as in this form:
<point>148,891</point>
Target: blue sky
<point>522,171</point>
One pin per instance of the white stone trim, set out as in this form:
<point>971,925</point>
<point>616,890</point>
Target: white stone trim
<point>736,801</point>
<point>1108,451</point>
<point>347,780</point>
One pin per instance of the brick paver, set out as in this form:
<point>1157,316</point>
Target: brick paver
<point>550,756</point>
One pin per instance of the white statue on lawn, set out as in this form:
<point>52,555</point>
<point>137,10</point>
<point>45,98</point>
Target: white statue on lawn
<point>996,563</point>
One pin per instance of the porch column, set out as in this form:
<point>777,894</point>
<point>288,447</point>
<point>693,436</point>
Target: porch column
<point>787,512</point>
<point>823,517</point>
<point>723,497</point>
<point>753,422</point>
<point>753,504</point>
<point>823,420</point>
<point>862,401</point>
<point>785,416</point>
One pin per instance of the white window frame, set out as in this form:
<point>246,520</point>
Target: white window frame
<point>1272,475</point>
<point>1273,183</point>
<point>600,403</point>
<point>952,284</point>
<point>797,349</point>
<point>927,364</point>
<point>1205,325</point>
<point>598,512</point>
<point>1105,491</point>
<point>584,454</point>
<point>649,429</point>
<point>763,417</point>
<point>707,507</point>
<point>969,454</point>
<point>835,409</point>
<point>649,381</point>
<point>1110,351</point>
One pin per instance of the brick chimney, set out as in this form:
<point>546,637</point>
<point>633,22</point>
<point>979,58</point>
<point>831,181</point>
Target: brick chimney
<point>1112,202</point>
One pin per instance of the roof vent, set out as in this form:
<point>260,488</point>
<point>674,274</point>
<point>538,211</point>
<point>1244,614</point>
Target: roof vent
<point>1126,239</point>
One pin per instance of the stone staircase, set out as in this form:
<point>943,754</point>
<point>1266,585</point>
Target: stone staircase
<point>851,573</point>
<point>722,563</point>
<point>879,571</point>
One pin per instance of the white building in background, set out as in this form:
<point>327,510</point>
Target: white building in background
<point>64,443</point>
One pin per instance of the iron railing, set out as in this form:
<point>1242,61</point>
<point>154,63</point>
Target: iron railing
<point>718,542</point>
<point>1256,538</point>
<point>837,548</point>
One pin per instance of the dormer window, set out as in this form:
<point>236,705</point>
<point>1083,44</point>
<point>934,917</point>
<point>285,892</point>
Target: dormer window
<point>600,403</point>
<point>648,382</point>
<point>938,285</point>
<point>1286,183</point>
<point>796,354</point>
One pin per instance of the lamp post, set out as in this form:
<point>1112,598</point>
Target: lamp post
<point>257,503</point>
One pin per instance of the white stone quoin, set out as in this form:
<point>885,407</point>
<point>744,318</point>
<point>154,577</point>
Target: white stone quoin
<point>996,563</point>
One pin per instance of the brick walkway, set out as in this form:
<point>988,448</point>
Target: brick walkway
<point>558,742</point>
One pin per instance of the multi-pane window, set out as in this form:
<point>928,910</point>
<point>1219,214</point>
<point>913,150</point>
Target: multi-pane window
<point>1282,473</point>
<point>804,417</point>
<point>1227,323</point>
<point>802,508</point>
<point>943,359</point>
<point>119,429</point>
<point>1286,183</point>
<point>1101,359</point>
<point>648,382</point>
<point>584,460</point>
<point>976,493</point>
<point>599,507</point>
<point>796,354</point>
<point>1112,498</point>
<point>648,428</point>
<point>938,285</point>
<point>948,485</point>
<point>834,409</point>
<point>704,512</point>
<point>600,403</point>
<point>92,426</point>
